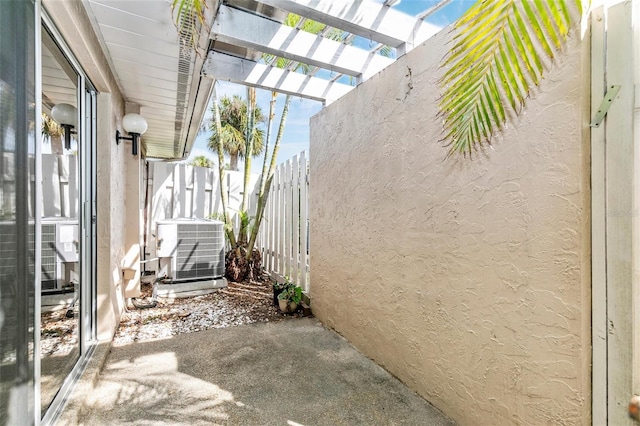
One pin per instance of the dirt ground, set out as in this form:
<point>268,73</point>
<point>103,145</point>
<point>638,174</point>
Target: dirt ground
<point>237,304</point>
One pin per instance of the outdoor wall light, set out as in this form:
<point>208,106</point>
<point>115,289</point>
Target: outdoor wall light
<point>135,125</point>
<point>67,116</point>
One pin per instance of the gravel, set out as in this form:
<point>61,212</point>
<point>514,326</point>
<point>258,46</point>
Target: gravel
<point>237,304</point>
<point>58,334</point>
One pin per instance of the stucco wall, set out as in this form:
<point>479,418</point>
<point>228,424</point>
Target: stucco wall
<point>467,279</point>
<point>111,214</point>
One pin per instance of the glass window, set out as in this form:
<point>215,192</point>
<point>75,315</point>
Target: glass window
<point>17,199</point>
<point>60,248</point>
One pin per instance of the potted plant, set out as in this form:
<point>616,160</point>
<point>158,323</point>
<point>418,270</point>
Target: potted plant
<point>295,296</point>
<point>283,301</point>
<point>289,298</point>
<point>278,288</point>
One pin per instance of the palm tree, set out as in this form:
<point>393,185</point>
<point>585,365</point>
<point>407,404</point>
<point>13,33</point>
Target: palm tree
<point>202,161</point>
<point>244,260</point>
<point>219,149</point>
<point>234,124</point>
<point>497,57</point>
<point>266,177</point>
<point>228,132</point>
<point>53,132</point>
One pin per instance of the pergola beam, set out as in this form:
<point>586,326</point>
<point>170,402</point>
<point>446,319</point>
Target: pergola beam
<point>243,71</point>
<point>280,40</point>
<point>433,9</point>
<point>365,18</point>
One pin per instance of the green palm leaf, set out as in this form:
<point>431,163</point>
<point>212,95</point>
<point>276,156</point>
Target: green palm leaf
<point>233,127</point>
<point>497,56</point>
<point>187,15</point>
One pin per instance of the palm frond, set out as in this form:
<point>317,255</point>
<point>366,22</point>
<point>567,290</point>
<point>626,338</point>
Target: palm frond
<point>186,14</point>
<point>51,128</point>
<point>201,161</point>
<point>387,52</point>
<point>182,9</point>
<point>497,56</point>
<point>233,126</point>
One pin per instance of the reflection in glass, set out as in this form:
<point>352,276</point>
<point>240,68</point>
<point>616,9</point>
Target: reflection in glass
<point>60,315</point>
<point>17,227</point>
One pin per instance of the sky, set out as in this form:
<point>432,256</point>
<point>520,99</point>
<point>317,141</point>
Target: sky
<point>295,138</point>
<point>296,134</point>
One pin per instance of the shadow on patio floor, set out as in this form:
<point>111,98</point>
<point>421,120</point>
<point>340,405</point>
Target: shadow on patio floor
<point>288,373</point>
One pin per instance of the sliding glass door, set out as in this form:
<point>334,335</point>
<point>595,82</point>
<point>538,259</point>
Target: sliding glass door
<point>47,216</point>
<point>61,290</point>
<point>18,221</point>
<point>67,227</point>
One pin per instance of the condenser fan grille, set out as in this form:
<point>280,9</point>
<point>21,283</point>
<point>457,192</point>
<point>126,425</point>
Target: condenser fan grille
<point>199,251</point>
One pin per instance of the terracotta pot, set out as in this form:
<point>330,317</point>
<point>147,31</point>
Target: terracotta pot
<point>293,306</point>
<point>284,305</point>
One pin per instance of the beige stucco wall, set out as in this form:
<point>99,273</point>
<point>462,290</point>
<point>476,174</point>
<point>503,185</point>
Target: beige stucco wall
<point>111,229</point>
<point>467,279</point>
<point>73,23</point>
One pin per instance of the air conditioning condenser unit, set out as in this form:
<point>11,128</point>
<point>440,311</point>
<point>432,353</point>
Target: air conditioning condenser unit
<point>191,254</point>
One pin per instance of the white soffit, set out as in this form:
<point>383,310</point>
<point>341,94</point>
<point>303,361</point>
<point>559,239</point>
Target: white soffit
<point>142,44</point>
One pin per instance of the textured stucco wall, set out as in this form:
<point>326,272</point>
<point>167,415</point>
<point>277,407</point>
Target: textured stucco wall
<point>468,280</point>
<point>133,205</point>
<point>73,23</point>
<point>111,213</point>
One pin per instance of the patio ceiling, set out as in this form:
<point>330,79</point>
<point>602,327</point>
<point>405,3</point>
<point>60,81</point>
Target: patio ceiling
<point>172,85</point>
<point>154,71</point>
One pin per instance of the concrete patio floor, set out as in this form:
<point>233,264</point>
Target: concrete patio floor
<point>293,372</point>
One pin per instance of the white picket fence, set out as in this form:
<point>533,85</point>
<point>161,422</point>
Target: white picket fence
<point>184,191</point>
<point>284,235</point>
<point>180,190</point>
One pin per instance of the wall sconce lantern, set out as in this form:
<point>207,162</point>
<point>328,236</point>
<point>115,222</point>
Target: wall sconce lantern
<point>135,125</point>
<point>67,116</point>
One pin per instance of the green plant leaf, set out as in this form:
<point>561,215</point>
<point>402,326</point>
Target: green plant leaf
<point>186,14</point>
<point>496,57</point>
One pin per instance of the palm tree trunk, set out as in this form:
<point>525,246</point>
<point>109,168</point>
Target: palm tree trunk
<point>233,162</point>
<point>262,200</point>
<point>228,227</point>
<point>56,145</point>
<point>272,114</point>
<point>244,208</point>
